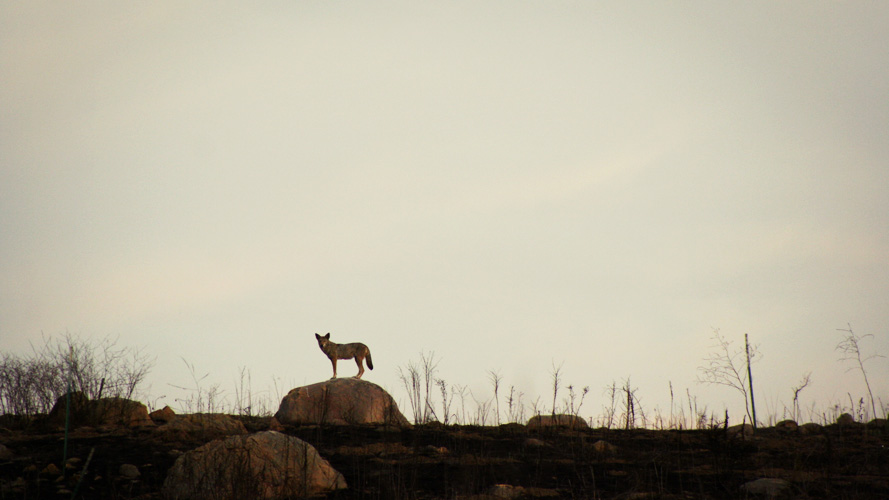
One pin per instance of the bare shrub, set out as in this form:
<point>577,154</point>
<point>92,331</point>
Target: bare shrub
<point>574,402</point>
<point>200,398</point>
<point>557,380</point>
<point>795,412</point>
<point>631,405</point>
<point>495,379</point>
<point>725,368</point>
<point>515,405</point>
<point>96,367</point>
<point>411,382</point>
<point>610,410</point>
<point>850,348</point>
<point>419,386</point>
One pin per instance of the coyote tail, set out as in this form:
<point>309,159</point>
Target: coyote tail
<point>370,363</point>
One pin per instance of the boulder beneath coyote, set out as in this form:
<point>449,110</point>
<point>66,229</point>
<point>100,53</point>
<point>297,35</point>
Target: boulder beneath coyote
<point>341,401</point>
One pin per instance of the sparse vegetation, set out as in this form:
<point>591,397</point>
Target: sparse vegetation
<point>850,347</point>
<point>472,452</point>
<point>723,367</point>
<point>96,367</point>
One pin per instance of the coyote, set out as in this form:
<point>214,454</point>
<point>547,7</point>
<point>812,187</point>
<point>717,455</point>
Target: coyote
<point>336,351</point>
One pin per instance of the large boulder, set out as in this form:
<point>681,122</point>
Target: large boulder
<point>340,401</point>
<point>560,420</point>
<point>103,411</point>
<point>262,465</point>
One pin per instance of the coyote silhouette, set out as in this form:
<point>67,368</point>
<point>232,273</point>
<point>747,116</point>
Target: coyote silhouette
<point>336,351</point>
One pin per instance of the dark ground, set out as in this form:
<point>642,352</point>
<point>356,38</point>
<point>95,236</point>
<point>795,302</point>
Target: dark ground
<point>435,461</point>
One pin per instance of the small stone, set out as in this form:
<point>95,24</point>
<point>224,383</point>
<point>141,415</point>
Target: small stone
<point>51,470</point>
<point>845,419</point>
<point>18,484</point>
<point>744,431</point>
<point>810,428</point>
<point>535,443</point>
<point>766,486</point>
<point>787,426</point>
<point>604,447</point>
<point>162,416</point>
<point>129,471</point>
<point>506,491</point>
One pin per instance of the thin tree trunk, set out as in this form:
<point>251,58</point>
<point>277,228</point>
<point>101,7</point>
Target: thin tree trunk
<point>750,381</point>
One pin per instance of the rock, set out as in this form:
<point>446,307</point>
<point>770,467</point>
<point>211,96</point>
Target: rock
<point>274,425</point>
<point>535,443</point>
<point>878,423</point>
<point>162,416</point>
<point>18,484</point>
<point>51,470</point>
<point>129,471</point>
<point>570,421</point>
<point>104,411</point>
<point>510,491</point>
<point>120,411</point>
<point>769,487</point>
<point>5,453</point>
<point>787,426</point>
<point>340,401</point>
<point>506,491</point>
<point>811,428</point>
<point>604,447</point>
<point>262,465</point>
<point>79,409</point>
<point>204,425</point>
<point>845,419</point>
<point>744,431</point>
<point>512,428</point>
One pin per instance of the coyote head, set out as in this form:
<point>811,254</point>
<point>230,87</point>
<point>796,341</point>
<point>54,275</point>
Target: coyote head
<point>323,341</point>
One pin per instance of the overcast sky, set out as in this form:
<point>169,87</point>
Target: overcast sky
<point>514,185</point>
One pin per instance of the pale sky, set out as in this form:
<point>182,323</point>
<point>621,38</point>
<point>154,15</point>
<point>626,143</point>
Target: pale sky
<point>510,184</point>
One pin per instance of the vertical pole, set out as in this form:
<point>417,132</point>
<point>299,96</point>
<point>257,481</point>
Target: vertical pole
<point>750,380</point>
<point>67,409</point>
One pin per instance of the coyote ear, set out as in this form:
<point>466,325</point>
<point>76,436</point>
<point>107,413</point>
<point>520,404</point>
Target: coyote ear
<point>317,336</point>
<point>327,336</point>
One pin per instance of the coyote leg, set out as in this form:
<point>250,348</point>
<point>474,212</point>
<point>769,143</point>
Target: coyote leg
<point>333,362</point>
<point>360,367</point>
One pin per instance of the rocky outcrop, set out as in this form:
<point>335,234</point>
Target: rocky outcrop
<point>162,416</point>
<point>787,426</point>
<point>845,419</point>
<point>262,465</point>
<point>570,421</point>
<point>742,431</point>
<point>811,428</point>
<point>341,401</point>
<point>103,411</point>
<point>201,425</point>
